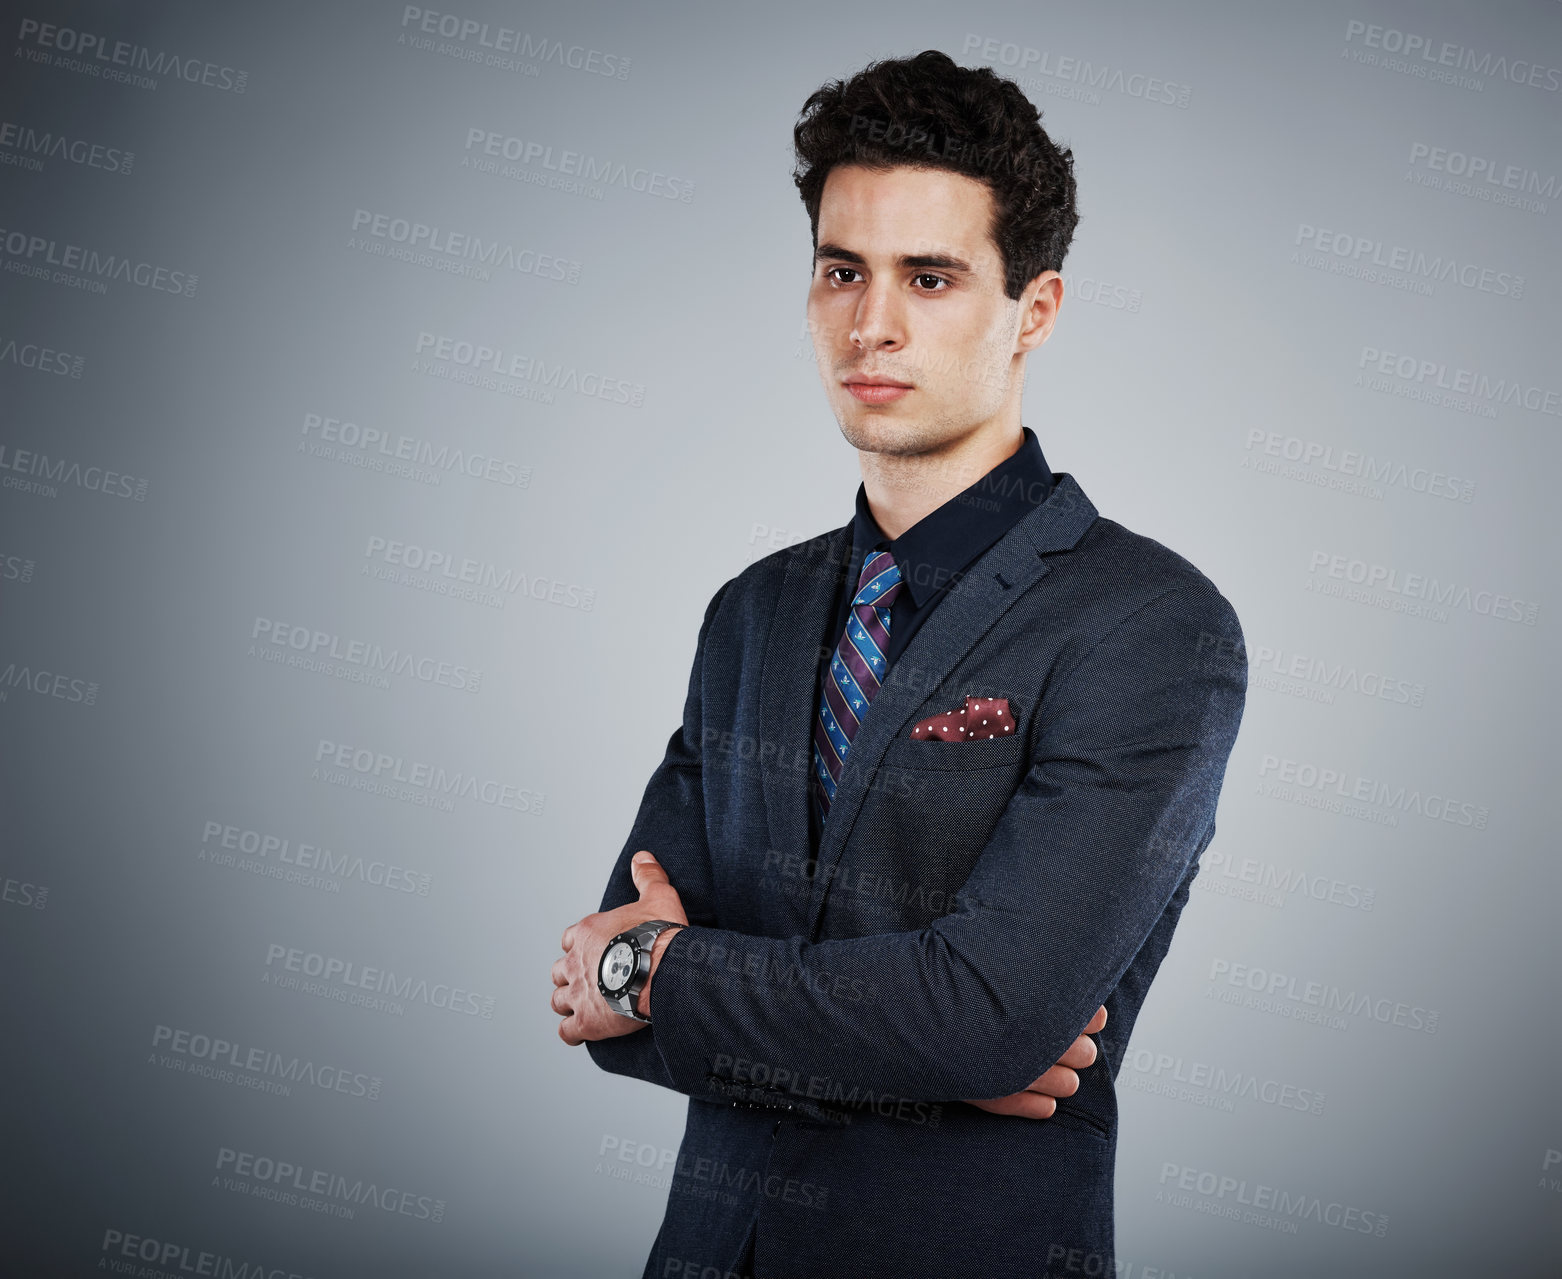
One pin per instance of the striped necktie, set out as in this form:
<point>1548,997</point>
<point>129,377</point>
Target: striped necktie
<point>856,671</point>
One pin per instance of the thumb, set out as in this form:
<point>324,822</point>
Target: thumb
<point>646,871</point>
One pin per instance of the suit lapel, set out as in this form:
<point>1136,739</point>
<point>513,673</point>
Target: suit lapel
<point>989,588</point>
<point>788,687</point>
<point>788,683</point>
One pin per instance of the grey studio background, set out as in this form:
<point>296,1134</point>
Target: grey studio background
<point>387,390</point>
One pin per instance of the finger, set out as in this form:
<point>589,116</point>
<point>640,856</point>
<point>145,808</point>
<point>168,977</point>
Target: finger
<point>1079,1054</point>
<point>1059,1081</point>
<point>1024,1105</point>
<point>559,1000</point>
<point>1096,1022</point>
<point>569,936</point>
<point>573,1040</point>
<point>647,871</point>
<point>560,971</point>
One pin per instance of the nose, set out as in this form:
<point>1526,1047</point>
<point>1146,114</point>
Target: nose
<point>878,323</point>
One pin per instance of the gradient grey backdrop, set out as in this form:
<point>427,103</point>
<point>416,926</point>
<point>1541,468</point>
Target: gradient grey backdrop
<point>238,418</point>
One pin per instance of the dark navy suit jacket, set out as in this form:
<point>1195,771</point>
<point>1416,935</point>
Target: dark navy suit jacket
<point>967,908</point>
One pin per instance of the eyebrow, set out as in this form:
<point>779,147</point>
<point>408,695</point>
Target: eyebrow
<point>922,261</point>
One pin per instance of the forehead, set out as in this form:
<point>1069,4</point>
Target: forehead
<point>907,210</point>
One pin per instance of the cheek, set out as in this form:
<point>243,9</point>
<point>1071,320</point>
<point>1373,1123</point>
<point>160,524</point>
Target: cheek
<point>967,356</point>
<point>992,353</point>
<point>827,326</point>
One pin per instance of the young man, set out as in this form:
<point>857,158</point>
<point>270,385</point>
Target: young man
<point>944,774</point>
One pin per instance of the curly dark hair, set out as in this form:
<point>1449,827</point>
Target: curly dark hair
<point>928,112</point>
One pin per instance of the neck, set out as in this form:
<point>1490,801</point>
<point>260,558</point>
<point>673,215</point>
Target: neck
<point>902,488</point>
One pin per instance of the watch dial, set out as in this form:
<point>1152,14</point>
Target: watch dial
<point>618,965</point>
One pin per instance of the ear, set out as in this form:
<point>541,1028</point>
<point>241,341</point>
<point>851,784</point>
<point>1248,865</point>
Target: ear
<point>1039,303</point>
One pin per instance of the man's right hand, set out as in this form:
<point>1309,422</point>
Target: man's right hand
<point>1038,1100</point>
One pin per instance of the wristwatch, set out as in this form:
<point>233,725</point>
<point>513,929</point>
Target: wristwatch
<point>625,966</point>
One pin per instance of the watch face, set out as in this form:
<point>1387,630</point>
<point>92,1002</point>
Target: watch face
<point>618,965</point>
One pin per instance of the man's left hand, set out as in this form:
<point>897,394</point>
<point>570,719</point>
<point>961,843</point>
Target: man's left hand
<point>575,993</point>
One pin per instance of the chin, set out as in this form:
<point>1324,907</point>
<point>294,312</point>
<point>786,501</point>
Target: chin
<point>873,431</point>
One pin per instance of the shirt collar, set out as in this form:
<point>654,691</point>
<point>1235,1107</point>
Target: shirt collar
<point>933,551</point>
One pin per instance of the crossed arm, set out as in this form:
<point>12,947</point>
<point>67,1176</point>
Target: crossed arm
<point>1118,801</point>
<point>588,1019</point>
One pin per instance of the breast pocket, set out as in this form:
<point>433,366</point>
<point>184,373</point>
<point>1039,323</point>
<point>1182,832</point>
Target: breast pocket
<point>928,814</point>
<point>918,754</point>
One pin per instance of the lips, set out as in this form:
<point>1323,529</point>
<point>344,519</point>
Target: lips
<point>876,390</point>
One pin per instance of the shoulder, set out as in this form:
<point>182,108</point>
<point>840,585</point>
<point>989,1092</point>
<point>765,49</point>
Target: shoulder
<point>1125,574</point>
<point>759,584</point>
<point>821,548</point>
<point>1149,634</point>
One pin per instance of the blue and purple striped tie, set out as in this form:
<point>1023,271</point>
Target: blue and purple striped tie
<point>856,671</point>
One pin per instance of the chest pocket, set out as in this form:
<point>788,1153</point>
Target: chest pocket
<point>929,811</point>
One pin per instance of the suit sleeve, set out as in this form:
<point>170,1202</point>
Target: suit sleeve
<point>1118,802</point>
<point>671,823</point>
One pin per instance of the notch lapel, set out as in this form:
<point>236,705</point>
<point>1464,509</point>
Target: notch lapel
<point>788,688</point>
<point>972,607</point>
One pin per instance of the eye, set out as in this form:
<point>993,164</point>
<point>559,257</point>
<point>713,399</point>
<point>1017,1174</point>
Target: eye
<point>831,273</point>
<point>937,280</point>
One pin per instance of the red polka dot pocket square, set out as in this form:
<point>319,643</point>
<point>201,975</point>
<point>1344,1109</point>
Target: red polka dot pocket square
<point>978,719</point>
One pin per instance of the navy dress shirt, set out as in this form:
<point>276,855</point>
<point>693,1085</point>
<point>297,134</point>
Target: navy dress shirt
<point>933,554</point>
